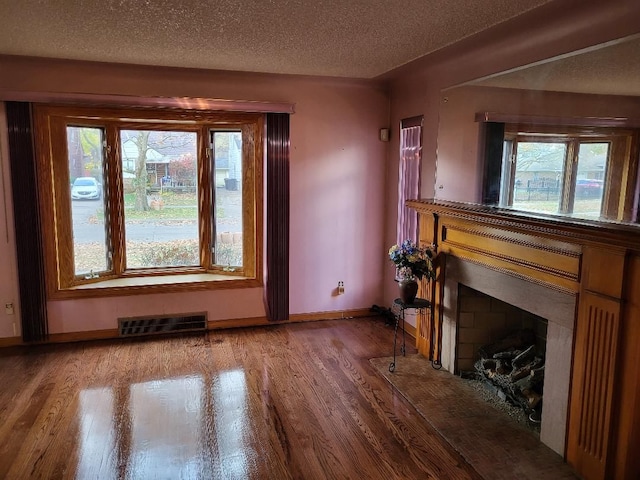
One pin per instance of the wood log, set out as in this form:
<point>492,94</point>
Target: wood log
<point>520,373</point>
<point>533,398</point>
<point>507,354</point>
<point>518,340</point>
<point>524,358</point>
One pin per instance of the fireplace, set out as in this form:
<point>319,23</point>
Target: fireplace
<point>547,311</point>
<point>583,278</point>
<point>503,348</point>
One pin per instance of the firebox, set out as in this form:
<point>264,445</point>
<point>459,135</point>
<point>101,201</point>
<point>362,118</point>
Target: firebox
<point>504,347</point>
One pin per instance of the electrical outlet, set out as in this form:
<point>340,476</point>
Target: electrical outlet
<point>340,288</point>
<point>8,308</point>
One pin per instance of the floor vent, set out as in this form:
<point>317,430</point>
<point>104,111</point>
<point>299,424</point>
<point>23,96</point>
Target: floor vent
<point>129,327</point>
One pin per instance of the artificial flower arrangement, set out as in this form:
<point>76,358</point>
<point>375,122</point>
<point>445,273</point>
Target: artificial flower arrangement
<point>412,261</point>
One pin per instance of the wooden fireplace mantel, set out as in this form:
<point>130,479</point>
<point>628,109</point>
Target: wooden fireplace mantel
<point>597,262</point>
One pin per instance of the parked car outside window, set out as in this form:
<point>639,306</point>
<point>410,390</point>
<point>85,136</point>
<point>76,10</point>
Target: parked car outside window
<point>86,188</point>
<point>589,187</point>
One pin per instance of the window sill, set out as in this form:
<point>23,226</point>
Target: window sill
<point>156,284</point>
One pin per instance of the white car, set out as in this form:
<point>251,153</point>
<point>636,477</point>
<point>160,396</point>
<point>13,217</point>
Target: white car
<point>86,188</point>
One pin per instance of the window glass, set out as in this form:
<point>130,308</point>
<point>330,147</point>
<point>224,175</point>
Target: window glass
<point>86,166</point>
<point>409,167</point>
<point>160,186</point>
<point>227,160</point>
<point>539,176</point>
<point>590,176</point>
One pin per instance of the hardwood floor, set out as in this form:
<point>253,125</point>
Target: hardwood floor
<point>295,401</point>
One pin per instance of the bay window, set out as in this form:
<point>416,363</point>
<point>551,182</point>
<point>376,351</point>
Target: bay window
<point>149,199</point>
<point>584,172</point>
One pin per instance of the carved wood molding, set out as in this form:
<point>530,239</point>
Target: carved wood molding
<point>553,286</point>
<point>555,226</point>
<point>516,241</point>
<point>521,261</point>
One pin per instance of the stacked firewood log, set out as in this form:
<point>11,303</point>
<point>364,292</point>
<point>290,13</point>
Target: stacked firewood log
<point>514,366</point>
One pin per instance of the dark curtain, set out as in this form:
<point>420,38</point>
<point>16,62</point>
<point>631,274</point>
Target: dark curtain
<point>277,180</point>
<point>30,256</point>
<point>493,148</point>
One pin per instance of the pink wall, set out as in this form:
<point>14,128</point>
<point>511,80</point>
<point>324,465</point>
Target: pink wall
<point>337,185</point>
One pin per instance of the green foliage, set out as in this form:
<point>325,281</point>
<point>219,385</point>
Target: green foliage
<point>229,254</point>
<point>175,253</point>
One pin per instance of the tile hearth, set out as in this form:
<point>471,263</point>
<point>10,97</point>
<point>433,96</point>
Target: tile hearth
<point>493,443</point>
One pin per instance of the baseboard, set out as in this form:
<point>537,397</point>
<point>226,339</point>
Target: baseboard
<point>211,325</point>
<point>334,315</point>
<point>10,341</point>
<point>83,336</point>
<point>410,330</point>
<point>295,318</point>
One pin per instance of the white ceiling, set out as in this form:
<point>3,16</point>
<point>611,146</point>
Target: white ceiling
<point>343,38</point>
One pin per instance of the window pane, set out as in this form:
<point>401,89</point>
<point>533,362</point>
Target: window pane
<point>538,178</point>
<point>86,166</point>
<point>160,178</point>
<point>592,166</point>
<point>228,215</point>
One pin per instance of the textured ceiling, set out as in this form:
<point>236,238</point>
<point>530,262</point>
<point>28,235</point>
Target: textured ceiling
<point>610,70</point>
<point>344,38</point>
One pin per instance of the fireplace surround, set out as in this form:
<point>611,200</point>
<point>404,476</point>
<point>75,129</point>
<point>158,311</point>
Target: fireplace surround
<point>584,278</point>
<point>556,307</point>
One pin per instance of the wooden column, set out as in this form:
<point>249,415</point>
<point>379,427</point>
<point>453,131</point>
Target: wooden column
<point>594,372</point>
<point>427,328</point>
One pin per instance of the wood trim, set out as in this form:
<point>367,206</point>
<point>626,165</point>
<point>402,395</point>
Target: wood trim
<point>611,122</point>
<point>189,103</point>
<point>83,336</point>
<point>10,342</point>
<point>626,463</point>
<point>331,315</point>
<point>558,227</point>
<point>412,121</point>
<point>410,330</point>
<point>295,318</point>
<point>594,373</point>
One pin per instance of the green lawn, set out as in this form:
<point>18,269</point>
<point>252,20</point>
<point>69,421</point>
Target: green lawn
<point>585,208</point>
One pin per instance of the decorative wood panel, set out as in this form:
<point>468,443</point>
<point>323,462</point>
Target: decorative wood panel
<point>594,371</point>
<point>626,461</point>
<point>552,262</point>
<point>428,226</point>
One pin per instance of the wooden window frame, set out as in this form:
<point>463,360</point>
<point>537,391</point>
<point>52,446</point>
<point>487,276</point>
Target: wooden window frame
<point>622,167</point>
<point>55,203</point>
